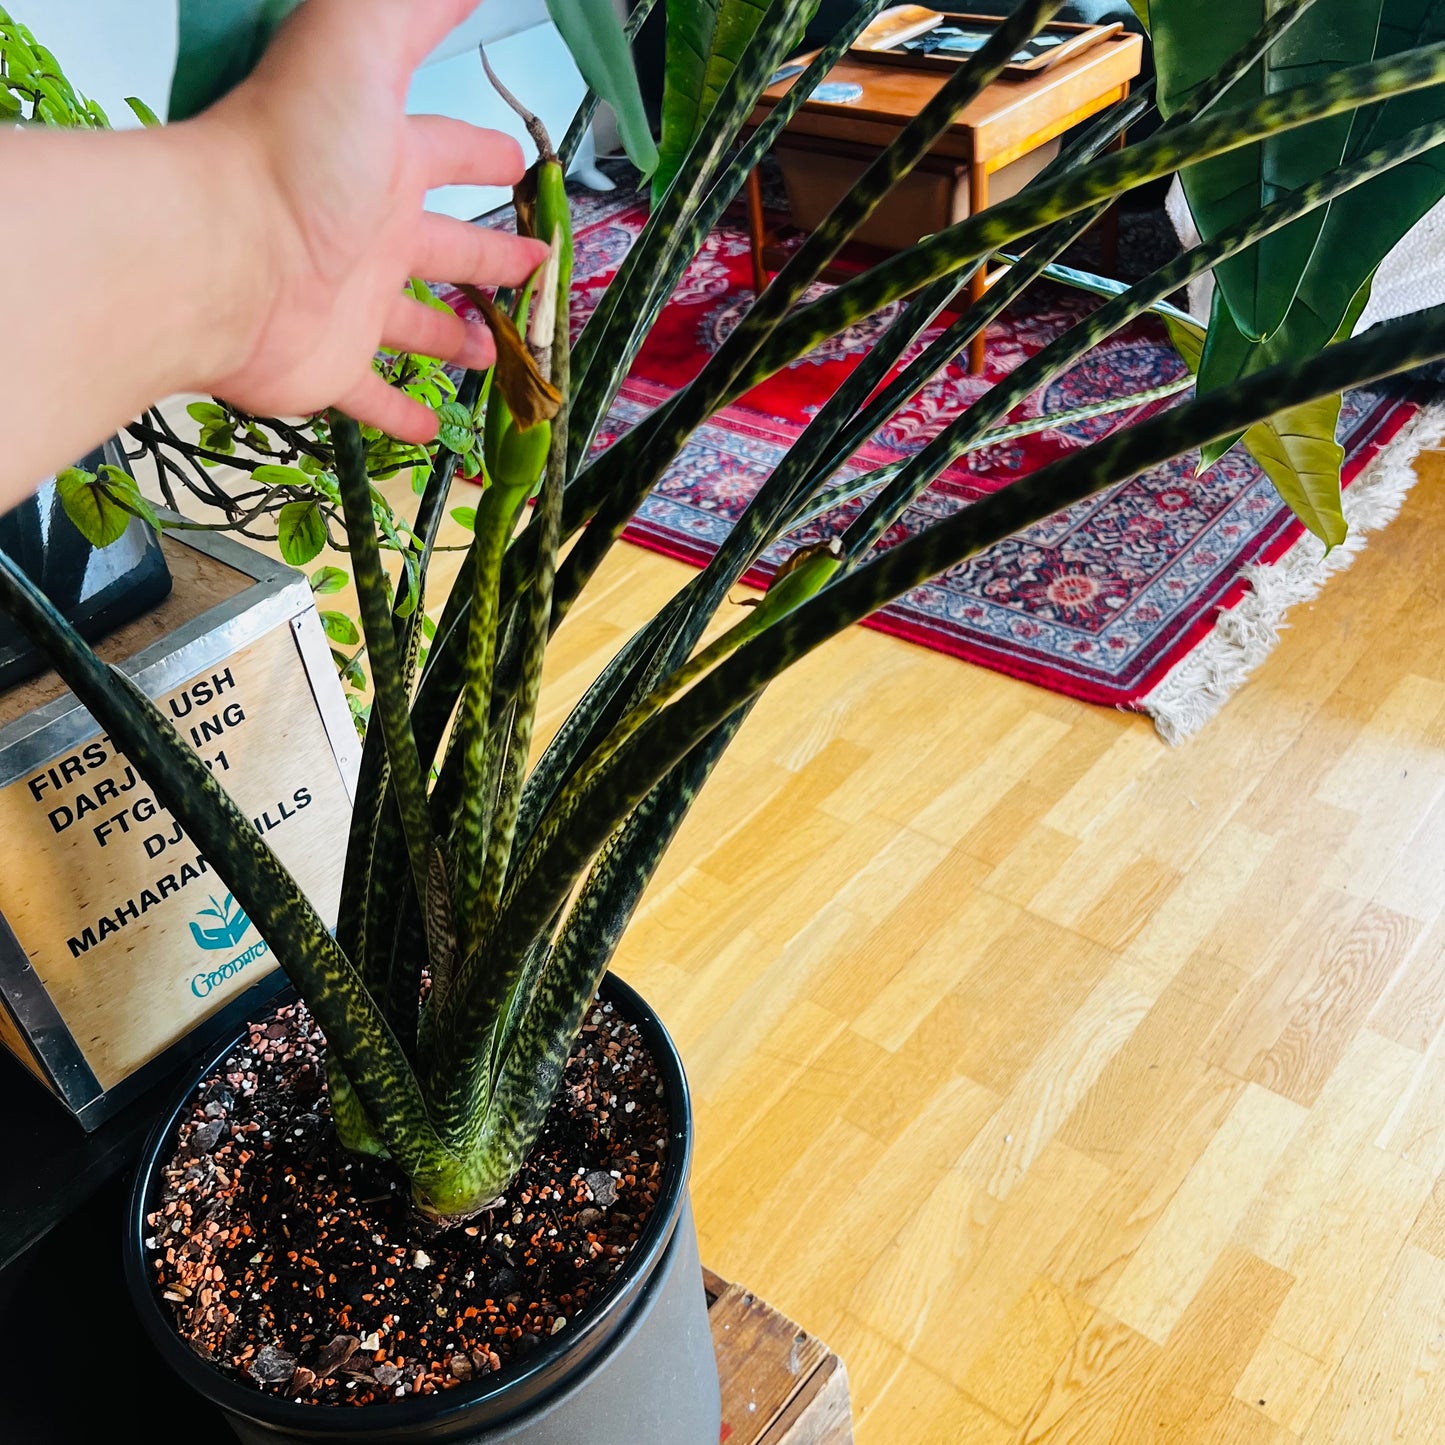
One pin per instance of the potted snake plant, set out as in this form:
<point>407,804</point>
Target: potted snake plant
<point>443,1195</point>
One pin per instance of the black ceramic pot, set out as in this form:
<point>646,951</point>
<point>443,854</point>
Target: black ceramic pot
<point>638,1369</point>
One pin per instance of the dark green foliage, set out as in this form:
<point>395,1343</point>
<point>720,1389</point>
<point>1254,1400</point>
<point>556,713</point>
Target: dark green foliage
<point>220,42</point>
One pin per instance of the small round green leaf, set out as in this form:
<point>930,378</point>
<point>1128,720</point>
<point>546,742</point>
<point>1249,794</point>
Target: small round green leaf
<point>300,532</point>
<point>219,439</point>
<point>97,516</point>
<point>328,579</point>
<point>271,475</point>
<point>123,490</point>
<point>458,433</point>
<point>340,628</point>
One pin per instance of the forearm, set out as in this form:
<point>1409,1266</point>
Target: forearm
<point>127,262</point>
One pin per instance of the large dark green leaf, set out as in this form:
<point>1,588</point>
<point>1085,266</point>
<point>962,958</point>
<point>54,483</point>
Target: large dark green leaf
<point>1228,355</point>
<point>705,41</point>
<point>1360,229</point>
<point>220,43</point>
<point>594,35</point>
<point>1191,42</point>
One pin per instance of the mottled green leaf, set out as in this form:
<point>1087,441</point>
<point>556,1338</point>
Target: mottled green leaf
<point>1296,450</point>
<point>705,41</point>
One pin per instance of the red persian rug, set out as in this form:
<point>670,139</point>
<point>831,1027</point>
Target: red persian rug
<point>1159,595</point>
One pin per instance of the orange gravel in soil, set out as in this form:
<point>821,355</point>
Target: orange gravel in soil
<point>303,1271</point>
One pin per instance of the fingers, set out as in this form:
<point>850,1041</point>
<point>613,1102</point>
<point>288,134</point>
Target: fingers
<point>448,152</point>
<point>451,250</point>
<point>376,404</point>
<point>424,331</point>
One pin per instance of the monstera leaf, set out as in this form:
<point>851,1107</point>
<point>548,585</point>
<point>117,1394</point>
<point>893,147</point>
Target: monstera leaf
<point>1191,42</point>
<point>220,43</point>
<point>705,41</point>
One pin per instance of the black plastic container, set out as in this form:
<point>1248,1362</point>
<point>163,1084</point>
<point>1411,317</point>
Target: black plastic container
<point>638,1369</point>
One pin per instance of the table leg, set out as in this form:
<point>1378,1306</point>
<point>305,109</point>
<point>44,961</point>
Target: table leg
<point>756,233</point>
<point>977,201</point>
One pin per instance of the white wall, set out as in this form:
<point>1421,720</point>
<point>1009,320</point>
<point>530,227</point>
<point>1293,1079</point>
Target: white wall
<point>110,49</point>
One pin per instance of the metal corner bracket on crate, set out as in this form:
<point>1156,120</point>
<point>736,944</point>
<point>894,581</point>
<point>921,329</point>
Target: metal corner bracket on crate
<point>119,950</point>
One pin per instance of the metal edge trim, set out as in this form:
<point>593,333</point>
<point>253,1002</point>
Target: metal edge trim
<point>310,639</point>
<point>279,594</point>
<point>43,1025</point>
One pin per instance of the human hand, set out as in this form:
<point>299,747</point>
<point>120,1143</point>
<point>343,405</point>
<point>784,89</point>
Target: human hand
<point>329,174</point>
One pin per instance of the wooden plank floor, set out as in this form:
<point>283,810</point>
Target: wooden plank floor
<point>1071,1087</point>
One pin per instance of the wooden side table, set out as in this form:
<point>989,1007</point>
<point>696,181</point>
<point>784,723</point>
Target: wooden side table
<point>1004,126</point>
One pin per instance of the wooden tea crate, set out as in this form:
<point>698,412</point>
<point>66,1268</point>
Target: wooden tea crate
<point>117,942</point>
<point>780,1385</point>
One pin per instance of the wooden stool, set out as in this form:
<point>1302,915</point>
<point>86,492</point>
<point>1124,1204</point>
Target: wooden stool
<point>780,1386</point>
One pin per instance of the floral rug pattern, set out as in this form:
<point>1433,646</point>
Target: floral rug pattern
<point>1099,602</point>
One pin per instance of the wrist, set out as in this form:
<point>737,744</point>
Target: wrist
<point>225,248</point>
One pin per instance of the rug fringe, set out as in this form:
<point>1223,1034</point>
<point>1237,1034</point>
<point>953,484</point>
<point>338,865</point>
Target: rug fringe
<point>1247,633</point>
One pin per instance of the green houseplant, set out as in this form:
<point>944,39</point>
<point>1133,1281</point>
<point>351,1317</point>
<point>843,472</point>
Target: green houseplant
<point>486,892</point>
